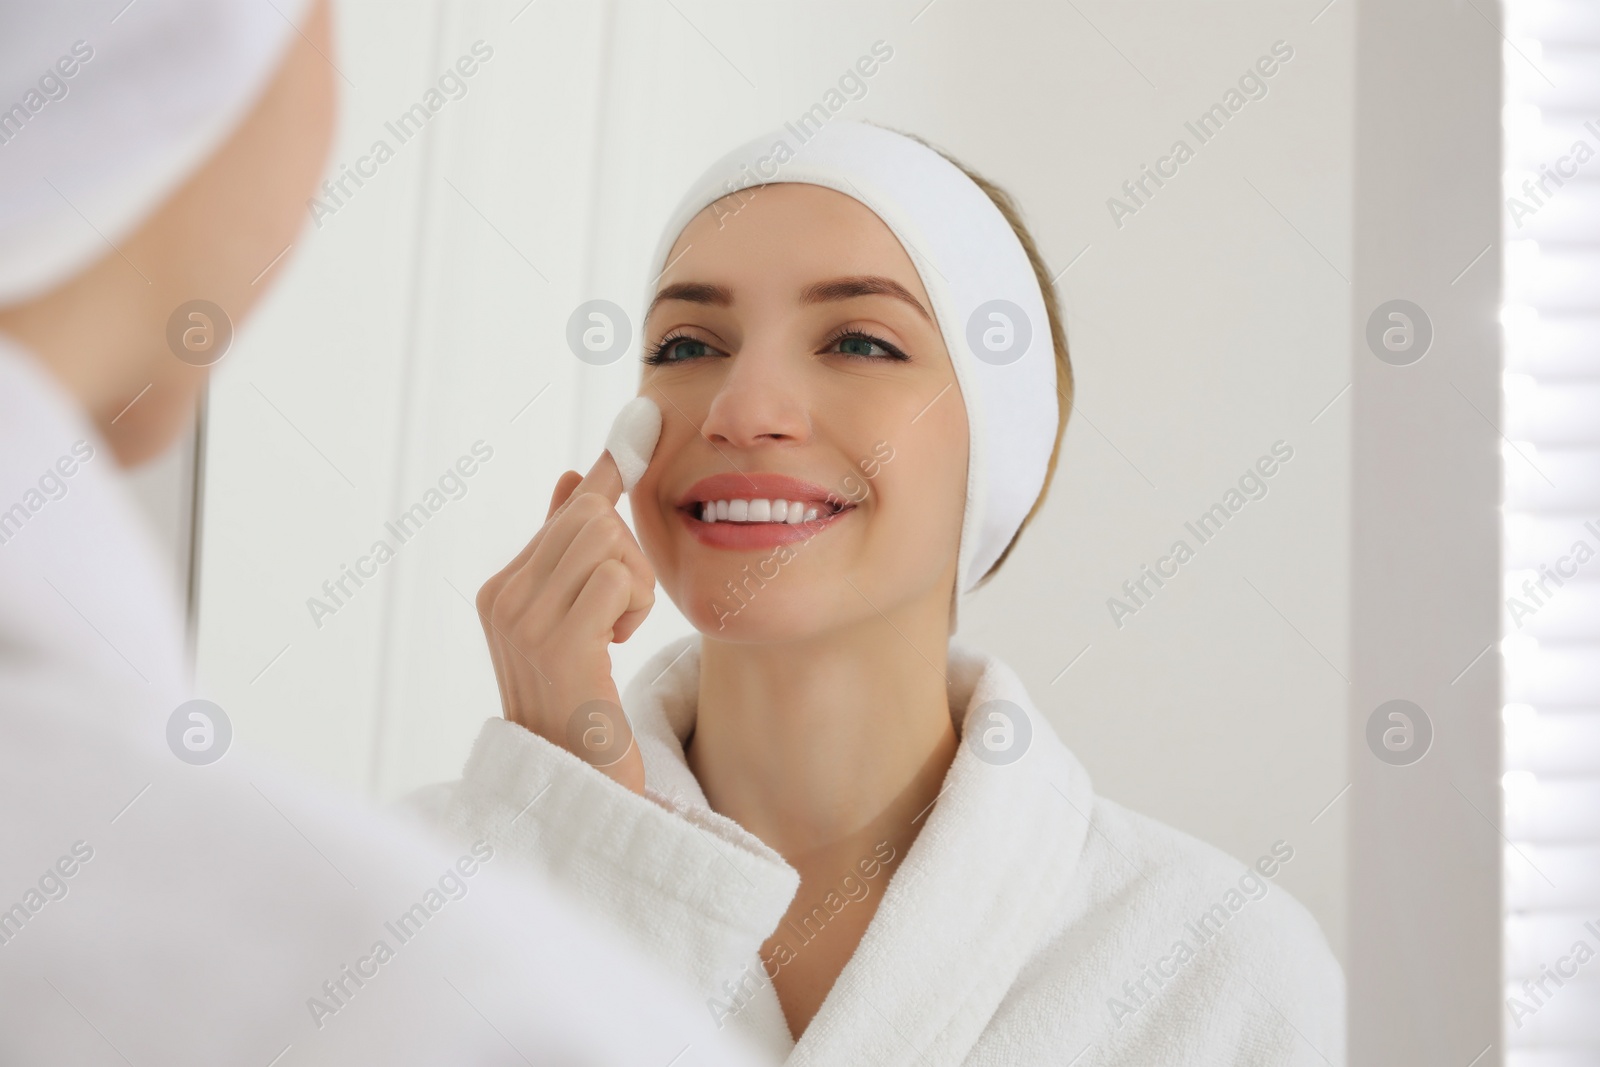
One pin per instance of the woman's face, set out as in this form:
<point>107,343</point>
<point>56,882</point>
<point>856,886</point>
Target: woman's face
<point>793,353</point>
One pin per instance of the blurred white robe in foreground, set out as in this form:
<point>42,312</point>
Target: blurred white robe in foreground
<point>1031,923</point>
<point>155,912</point>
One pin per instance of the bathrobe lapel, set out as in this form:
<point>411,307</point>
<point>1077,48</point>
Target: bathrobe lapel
<point>979,890</point>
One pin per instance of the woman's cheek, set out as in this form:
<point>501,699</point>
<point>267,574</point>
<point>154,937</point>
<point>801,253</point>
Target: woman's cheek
<point>854,489</point>
<point>929,480</point>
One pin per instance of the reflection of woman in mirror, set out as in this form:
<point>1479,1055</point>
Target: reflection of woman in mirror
<point>860,842</point>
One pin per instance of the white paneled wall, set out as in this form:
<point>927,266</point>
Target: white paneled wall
<point>426,313</point>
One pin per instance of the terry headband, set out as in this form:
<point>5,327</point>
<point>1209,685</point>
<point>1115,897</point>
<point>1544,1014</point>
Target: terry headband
<point>986,300</point>
<point>106,107</point>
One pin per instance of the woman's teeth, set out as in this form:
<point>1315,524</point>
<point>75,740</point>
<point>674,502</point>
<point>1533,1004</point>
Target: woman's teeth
<point>791,512</point>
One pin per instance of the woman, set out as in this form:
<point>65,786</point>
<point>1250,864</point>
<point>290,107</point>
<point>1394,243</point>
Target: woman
<point>861,843</point>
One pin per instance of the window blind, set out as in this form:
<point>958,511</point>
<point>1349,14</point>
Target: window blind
<point>1551,646</point>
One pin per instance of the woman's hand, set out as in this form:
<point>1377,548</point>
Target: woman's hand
<point>551,614</point>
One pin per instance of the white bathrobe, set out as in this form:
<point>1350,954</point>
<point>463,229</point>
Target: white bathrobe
<point>1031,922</point>
<point>154,912</point>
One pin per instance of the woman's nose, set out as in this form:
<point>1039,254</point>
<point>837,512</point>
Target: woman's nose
<point>761,399</point>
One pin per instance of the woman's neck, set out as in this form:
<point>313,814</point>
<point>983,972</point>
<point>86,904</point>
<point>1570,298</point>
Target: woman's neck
<point>830,750</point>
<point>829,745</point>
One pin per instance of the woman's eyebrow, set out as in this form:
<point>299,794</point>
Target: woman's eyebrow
<point>693,292</point>
<point>821,292</point>
<point>861,285</point>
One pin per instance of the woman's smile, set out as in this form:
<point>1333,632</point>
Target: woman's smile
<point>756,510</point>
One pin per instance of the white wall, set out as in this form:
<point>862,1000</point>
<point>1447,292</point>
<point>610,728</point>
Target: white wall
<point>1423,961</point>
<point>1211,324</point>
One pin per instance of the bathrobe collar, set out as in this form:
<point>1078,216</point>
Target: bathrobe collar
<point>975,895</point>
<point>86,598</point>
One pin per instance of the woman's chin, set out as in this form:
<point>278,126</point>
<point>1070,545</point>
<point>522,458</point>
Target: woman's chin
<point>760,616</point>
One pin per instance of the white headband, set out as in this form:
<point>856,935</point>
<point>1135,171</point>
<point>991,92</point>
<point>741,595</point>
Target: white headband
<point>986,300</point>
<point>105,107</point>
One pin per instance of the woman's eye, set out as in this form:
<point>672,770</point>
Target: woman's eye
<point>864,346</point>
<point>858,346</point>
<point>677,350</point>
<point>855,345</point>
<point>686,348</point>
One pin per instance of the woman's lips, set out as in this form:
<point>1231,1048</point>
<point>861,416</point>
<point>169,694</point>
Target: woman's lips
<point>752,485</point>
<point>827,508</point>
<point>757,535</point>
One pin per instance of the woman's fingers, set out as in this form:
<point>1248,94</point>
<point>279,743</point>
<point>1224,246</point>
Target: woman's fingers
<point>531,603</point>
<point>559,496</point>
<point>549,584</point>
<point>563,491</point>
<point>629,623</point>
<point>603,479</point>
<point>602,599</point>
<point>524,579</point>
<point>604,537</point>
